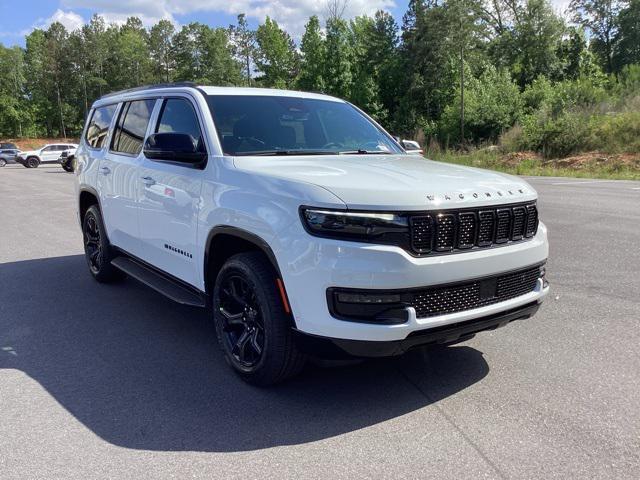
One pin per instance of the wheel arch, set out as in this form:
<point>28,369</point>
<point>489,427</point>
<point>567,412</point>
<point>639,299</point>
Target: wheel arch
<point>88,196</point>
<point>225,241</point>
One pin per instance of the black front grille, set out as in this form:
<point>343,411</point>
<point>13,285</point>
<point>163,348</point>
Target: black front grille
<point>445,232</point>
<point>474,294</point>
<point>453,230</point>
<point>422,233</point>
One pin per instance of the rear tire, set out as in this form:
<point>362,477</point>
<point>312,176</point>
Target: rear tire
<point>3,162</point>
<point>32,162</point>
<point>253,329</point>
<point>97,249</point>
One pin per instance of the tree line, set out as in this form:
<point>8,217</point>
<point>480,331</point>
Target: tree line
<point>454,71</point>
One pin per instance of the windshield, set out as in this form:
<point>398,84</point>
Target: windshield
<point>274,125</point>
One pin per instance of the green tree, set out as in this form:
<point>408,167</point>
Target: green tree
<point>492,105</point>
<point>161,50</point>
<point>220,65</point>
<point>313,50</point>
<point>204,55</point>
<point>244,43</point>
<point>94,38</point>
<point>339,57</point>
<point>532,45</point>
<point>429,75</point>
<point>628,36</point>
<point>275,56</point>
<point>600,18</point>
<point>47,68</point>
<point>374,43</point>
<point>14,112</point>
<point>130,58</point>
<point>364,89</point>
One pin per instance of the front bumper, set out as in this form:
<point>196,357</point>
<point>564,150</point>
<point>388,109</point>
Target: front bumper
<point>311,265</point>
<point>338,349</point>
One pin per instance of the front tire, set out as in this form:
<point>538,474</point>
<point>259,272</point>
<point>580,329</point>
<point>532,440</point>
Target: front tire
<point>253,329</point>
<point>3,162</point>
<point>97,250</point>
<point>32,162</point>
<point>67,167</point>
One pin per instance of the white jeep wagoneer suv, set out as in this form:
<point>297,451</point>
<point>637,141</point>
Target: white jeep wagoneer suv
<point>303,224</point>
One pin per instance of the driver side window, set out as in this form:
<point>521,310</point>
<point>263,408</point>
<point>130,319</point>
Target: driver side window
<point>178,116</point>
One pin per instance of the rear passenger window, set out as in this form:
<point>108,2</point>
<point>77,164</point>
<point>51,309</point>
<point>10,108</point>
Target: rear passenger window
<point>178,116</point>
<point>132,126</point>
<point>98,128</point>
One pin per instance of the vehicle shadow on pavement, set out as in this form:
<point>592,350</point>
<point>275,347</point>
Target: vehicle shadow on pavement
<point>144,373</point>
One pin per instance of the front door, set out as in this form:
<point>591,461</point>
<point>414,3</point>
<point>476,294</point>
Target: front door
<point>119,175</point>
<point>50,154</point>
<point>170,197</point>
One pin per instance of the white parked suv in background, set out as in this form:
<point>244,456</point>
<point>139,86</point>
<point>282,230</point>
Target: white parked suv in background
<point>48,154</point>
<point>303,224</point>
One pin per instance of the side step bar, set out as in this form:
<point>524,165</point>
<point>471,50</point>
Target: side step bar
<point>163,284</point>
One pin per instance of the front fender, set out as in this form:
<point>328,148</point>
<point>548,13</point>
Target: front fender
<point>264,207</point>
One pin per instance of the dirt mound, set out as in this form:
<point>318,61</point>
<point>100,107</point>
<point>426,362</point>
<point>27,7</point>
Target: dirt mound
<point>587,159</point>
<point>35,143</point>
<point>513,159</point>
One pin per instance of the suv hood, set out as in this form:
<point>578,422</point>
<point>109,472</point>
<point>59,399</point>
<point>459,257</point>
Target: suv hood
<point>395,182</point>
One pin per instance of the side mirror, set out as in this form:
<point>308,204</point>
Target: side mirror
<point>412,146</point>
<point>173,147</point>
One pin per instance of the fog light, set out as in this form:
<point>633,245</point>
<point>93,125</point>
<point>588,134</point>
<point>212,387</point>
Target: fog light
<point>367,306</point>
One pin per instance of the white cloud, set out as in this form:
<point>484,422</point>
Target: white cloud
<point>71,20</point>
<point>290,14</point>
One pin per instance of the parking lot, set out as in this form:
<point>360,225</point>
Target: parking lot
<point>118,382</point>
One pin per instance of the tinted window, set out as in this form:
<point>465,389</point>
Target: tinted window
<point>8,146</point>
<point>248,124</point>
<point>99,126</point>
<point>132,126</point>
<point>179,116</point>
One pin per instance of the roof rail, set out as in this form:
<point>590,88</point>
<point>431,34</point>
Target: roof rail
<point>150,87</point>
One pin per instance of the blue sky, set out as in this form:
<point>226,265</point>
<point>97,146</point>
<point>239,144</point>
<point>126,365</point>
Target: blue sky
<point>19,17</point>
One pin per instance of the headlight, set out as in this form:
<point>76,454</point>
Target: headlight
<point>374,227</point>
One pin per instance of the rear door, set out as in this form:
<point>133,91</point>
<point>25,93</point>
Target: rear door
<point>119,174</point>
<point>170,196</point>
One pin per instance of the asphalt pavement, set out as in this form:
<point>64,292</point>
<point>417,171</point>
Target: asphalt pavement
<point>118,382</point>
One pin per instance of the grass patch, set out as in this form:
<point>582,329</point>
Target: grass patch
<point>589,165</point>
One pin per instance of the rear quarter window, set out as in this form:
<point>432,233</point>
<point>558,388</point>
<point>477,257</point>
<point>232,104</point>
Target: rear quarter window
<point>132,126</point>
<point>98,128</point>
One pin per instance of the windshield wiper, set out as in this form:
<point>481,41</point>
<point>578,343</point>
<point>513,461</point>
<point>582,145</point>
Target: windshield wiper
<point>266,153</point>
<point>361,151</point>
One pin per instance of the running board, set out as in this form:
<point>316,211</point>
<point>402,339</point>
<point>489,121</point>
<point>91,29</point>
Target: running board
<point>160,283</point>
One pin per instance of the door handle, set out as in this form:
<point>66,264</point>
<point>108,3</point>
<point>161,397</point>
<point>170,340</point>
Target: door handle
<point>105,170</point>
<point>148,181</point>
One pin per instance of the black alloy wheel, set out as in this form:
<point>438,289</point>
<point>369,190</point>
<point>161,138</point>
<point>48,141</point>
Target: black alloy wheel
<point>97,249</point>
<point>243,328</point>
<point>253,321</point>
<point>33,162</point>
<point>92,244</point>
